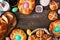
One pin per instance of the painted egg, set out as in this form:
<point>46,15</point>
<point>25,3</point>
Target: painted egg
<point>26,5</point>
<point>57,29</point>
<point>39,9</point>
<point>28,31</point>
<point>7,38</point>
<point>15,9</point>
<point>59,11</point>
<point>17,37</point>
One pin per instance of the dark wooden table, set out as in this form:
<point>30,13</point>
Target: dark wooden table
<point>34,20</point>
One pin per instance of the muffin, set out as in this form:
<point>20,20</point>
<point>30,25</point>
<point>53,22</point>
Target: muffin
<point>26,6</point>
<point>18,34</point>
<point>55,28</point>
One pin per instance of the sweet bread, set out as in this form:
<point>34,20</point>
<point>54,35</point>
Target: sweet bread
<point>54,5</point>
<point>59,11</point>
<point>18,34</point>
<point>6,20</point>
<point>55,28</point>
<point>10,18</point>
<point>3,28</point>
<point>26,6</point>
<point>52,15</point>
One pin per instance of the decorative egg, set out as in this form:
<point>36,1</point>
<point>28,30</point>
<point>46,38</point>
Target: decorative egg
<point>26,5</point>
<point>57,29</point>
<point>28,31</point>
<point>59,11</point>
<point>7,38</point>
<point>15,9</point>
<point>17,37</point>
<point>39,9</point>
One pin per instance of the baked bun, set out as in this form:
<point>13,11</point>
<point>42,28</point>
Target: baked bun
<point>54,5</point>
<point>55,28</point>
<point>40,34</point>
<point>18,34</point>
<point>52,15</point>
<point>32,37</point>
<point>26,6</point>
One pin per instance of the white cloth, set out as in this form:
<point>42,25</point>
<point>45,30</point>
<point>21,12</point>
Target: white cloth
<point>6,7</point>
<point>1,1</point>
<point>44,2</point>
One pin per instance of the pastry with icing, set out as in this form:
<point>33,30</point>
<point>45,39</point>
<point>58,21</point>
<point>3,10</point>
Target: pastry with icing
<point>54,5</point>
<point>26,6</point>
<point>18,34</point>
<point>55,28</point>
<point>52,15</point>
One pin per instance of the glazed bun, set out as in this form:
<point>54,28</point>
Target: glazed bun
<point>52,15</point>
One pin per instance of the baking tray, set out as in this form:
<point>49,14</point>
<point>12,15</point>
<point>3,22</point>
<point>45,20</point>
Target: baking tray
<point>34,20</point>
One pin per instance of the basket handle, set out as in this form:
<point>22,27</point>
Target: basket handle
<point>44,29</point>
